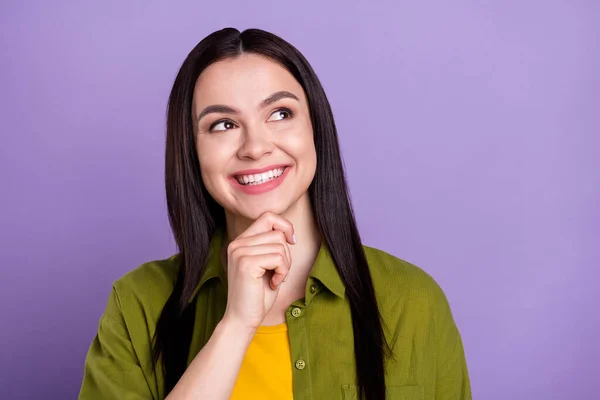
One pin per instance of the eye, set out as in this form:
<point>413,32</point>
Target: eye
<point>221,126</point>
<point>282,113</point>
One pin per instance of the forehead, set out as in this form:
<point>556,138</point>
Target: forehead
<point>243,80</point>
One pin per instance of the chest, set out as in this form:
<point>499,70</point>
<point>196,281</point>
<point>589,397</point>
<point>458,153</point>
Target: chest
<point>321,345</point>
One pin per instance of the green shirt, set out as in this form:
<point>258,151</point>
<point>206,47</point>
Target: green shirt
<point>429,358</point>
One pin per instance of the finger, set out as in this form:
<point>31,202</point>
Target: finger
<point>269,221</point>
<point>271,237</point>
<point>258,265</point>
<point>279,276</point>
<point>266,248</point>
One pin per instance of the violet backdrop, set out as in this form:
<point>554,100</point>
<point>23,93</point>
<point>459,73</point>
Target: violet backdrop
<point>469,131</point>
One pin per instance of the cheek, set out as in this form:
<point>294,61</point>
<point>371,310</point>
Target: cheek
<point>300,140</point>
<point>304,147</point>
<point>301,147</point>
<point>312,161</point>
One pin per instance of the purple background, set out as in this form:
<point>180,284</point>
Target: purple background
<point>469,132</point>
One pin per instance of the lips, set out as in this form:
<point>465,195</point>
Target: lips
<point>257,183</point>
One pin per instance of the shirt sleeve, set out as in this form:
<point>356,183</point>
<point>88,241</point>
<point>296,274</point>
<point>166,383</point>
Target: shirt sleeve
<point>452,381</point>
<point>112,369</point>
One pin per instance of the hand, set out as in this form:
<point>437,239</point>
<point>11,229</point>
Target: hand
<point>258,261</point>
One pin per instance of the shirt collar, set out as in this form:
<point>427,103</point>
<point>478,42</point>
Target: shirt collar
<point>323,269</point>
<point>213,263</point>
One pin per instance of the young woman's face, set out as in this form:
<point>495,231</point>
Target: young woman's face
<point>254,135</point>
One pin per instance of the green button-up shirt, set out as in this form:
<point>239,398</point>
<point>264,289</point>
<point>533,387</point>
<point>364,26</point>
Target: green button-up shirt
<point>429,358</point>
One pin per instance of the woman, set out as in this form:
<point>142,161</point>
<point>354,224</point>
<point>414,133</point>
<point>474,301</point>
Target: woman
<point>272,294</point>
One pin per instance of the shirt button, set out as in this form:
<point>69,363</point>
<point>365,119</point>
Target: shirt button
<point>300,364</point>
<point>313,288</point>
<point>296,312</point>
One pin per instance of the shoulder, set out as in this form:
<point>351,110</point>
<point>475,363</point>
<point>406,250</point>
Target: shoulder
<point>146,287</point>
<point>417,315</point>
<point>401,284</point>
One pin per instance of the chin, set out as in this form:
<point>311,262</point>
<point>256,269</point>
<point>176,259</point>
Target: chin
<point>254,212</point>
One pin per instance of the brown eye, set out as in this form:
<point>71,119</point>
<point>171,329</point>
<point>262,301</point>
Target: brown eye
<point>221,126</point>
<point>282,113</point>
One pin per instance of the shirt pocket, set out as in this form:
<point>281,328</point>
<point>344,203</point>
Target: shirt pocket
<point>350,392</point>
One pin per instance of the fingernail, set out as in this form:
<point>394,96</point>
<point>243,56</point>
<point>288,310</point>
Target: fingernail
<point>294,238</point>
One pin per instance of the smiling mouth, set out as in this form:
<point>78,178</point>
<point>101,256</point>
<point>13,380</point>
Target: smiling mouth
<point>259,179</point>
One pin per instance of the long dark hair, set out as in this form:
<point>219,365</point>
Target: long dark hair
<point>194,215</point>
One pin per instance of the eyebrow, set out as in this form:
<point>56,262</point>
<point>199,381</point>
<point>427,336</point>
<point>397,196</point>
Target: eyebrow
<point>221,108</point>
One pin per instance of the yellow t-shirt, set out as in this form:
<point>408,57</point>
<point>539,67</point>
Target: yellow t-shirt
<point>266,371</point>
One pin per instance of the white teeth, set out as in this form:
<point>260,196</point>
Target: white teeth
<point>257,179</point>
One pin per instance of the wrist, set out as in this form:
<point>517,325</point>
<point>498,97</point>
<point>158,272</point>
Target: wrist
<point>229,324</point>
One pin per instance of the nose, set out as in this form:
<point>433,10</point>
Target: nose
<point>255,144</point>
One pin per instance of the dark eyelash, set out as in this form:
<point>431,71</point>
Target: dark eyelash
<point>212,126</point>
<point>286,110</point>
